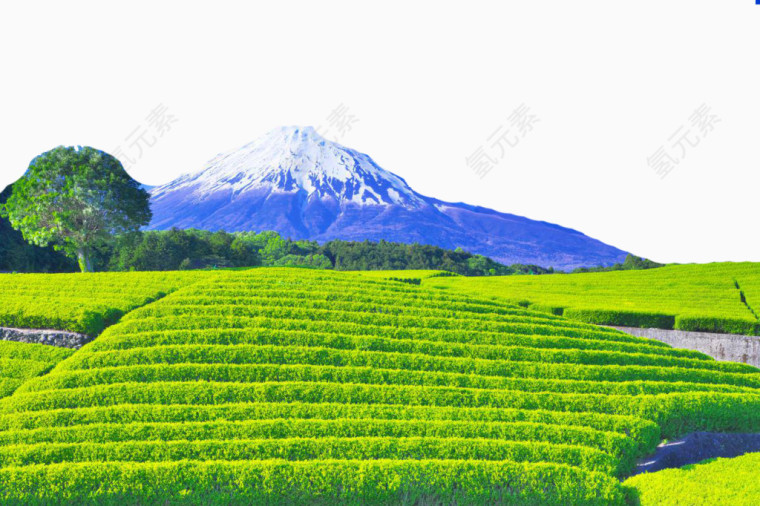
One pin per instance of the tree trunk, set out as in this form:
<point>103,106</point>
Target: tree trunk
<point>85,262</point>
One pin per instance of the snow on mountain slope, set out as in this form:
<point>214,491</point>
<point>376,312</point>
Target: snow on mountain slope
<point>293,159</point>
<point>303,186</point>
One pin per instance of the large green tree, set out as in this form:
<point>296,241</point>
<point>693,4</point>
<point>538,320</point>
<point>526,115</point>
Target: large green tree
<point>76,199</point>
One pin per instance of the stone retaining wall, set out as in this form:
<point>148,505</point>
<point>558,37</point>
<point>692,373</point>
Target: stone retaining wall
<point>725,347</point>
<point>43,336</point>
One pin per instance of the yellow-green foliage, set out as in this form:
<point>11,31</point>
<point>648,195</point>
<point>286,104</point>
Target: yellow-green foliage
<point>721,481</point>
<point>411,277</point>
<point>22,361</point>
<point>85,303</point>
<point>688,297</point>
<point>408,274</point>
<point>297,386</point>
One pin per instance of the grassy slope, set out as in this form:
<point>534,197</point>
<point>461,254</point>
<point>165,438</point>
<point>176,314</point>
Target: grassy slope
<point>21,361</point>
<point>720,481</point>
<point>294,385</point>
<point>407,274</point>
<point>85,303</point>
<point>688,297</point>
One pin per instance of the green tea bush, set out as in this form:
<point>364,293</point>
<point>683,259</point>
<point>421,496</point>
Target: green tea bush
<point>712,324</point>
<point>722,481</point>
<point>20,362</point>
<point>381,482</point>
<point>282,386</point>
<point>719,297</point>
<point>84,303</point>
<point>621,318</point>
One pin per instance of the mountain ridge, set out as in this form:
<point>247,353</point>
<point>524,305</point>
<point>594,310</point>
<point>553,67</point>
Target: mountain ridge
<point>295,182</point>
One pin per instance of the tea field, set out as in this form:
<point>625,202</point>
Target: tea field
<point>21,361</point>
<point>84,303</point>
<point>720,297</point>
<point>721,481</point>
<point>295,386</point>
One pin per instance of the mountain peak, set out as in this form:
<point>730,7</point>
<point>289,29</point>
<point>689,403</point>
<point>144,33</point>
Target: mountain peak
<point>298,159</point>
<point>292,135</point>
<point>295,182</point>
<point>295,130</point>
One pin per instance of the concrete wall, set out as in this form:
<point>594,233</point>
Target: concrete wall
<point>726,347</point>
<point>50,337</point>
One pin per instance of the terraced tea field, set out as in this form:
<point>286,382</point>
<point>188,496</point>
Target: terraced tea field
<point>85,303</point>
<point>720,297</point>
<point>293,386</point>
<point>20,362</point>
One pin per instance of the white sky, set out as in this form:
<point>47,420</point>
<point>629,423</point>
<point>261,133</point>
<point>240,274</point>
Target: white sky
<point>427,84</point>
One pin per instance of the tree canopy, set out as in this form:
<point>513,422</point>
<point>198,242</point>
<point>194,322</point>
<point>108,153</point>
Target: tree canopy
<point>17,255</point>
<point>76,199</point>
<point>197,249</point>
<point>631,263</point>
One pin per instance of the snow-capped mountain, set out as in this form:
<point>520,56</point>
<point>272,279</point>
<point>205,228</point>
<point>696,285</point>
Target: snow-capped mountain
<point>303,186</point>
<point>292,159</point>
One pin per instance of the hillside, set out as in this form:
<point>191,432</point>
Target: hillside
<point>301,185</point>
<point>302,386</point>
<point>21,361</point>
<point>84,303</point>
<point>719,297</point>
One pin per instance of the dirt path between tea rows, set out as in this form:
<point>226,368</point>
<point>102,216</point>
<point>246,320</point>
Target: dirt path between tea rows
<point>697,447</point>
